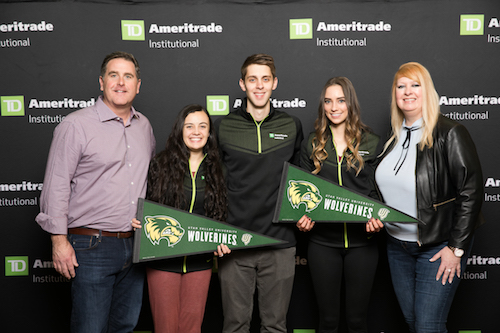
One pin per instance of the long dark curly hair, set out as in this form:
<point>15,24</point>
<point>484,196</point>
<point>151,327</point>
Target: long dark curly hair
<point>169,167</point>
<point>353,130</point>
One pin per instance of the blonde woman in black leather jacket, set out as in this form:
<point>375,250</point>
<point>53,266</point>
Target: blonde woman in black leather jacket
<point>429,169</point>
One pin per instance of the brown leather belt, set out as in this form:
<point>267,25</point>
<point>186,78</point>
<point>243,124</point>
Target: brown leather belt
<point>95,232</point>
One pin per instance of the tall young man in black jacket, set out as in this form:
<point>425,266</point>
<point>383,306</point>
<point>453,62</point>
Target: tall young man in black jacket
<point>255,141</point>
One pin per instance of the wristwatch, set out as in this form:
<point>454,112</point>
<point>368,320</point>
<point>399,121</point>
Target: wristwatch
<point>457,252</point>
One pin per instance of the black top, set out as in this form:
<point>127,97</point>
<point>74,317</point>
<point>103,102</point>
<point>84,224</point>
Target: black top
<point>344,234</point>
<point>253,154</point>
<point>192,263</point>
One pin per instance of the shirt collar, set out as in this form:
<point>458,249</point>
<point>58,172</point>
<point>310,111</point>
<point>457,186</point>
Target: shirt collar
<point>105,114</point>
<point>417,123</point>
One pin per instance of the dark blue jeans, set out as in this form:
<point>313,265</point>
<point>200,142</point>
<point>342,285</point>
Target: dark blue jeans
<point>107,290</point>
<point>424,301</point>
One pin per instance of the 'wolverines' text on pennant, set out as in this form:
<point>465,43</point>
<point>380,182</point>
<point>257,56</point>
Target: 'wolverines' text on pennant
<point>325,201</point>
<point>168,232</point>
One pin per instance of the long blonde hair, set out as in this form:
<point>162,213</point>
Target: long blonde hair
<point>353,128</point>
<point>430,104</point>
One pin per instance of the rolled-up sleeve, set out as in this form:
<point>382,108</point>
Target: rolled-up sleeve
<point>62,162</point>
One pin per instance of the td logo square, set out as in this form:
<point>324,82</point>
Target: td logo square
<point>16,266</point>
<point>133,30</point>
<point>471,24</point>
<point>218,105</point>
<point>12,105</point>
<point>301,28</point>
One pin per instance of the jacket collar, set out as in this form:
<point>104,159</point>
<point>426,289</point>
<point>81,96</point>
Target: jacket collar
<point>242,110</point>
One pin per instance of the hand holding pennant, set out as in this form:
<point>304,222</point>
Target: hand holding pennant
<point>325,201</point>
<point>168,232</point>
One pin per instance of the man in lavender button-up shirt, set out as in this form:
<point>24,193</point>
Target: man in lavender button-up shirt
<point>96,170</point>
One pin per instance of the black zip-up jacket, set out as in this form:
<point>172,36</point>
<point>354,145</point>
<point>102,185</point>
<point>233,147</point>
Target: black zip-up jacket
<point>344,235</point>
<point>196,262</point>
<point>449,185</point>
<point>253,154</point>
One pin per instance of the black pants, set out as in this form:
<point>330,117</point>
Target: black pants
<point>327,265</point>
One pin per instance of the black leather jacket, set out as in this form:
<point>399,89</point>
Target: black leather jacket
<point>449,186</point>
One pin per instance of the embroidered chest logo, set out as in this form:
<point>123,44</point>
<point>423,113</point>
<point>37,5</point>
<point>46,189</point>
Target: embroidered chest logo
<point>278,136</point>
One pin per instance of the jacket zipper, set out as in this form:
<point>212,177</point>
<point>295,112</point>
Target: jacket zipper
<point>339,176</point>
<point>193,199</point>
<point>435,209</point>
<point>259,139</point>
<point>442,203</point>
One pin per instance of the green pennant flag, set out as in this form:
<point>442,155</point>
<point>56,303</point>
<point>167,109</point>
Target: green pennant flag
<point>325,201</point>
<point>168,232</point>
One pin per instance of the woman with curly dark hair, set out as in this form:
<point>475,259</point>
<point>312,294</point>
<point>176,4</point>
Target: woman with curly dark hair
<point>186,175</point>
<point>341,149</point>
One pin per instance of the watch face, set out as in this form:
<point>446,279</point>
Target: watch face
<point>459,252</point>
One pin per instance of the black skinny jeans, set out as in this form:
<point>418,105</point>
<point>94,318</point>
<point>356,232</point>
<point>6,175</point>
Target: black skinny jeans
<point>327,265</point>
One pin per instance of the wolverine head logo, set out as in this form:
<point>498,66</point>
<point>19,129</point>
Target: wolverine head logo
<point>157,228</point>
<point>300,191</point>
